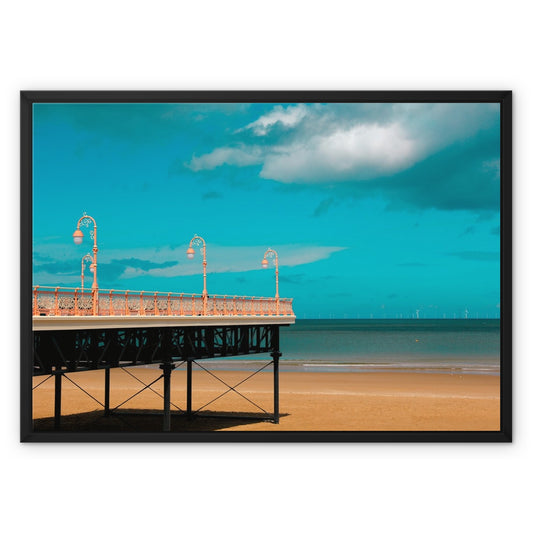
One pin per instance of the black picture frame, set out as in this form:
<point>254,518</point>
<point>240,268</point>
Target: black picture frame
<point>503,98</point>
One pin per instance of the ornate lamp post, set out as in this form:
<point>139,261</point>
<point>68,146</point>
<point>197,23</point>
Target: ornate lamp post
<point>264,264</point>
<point>86,258</point>
<point>198,241</point>
<point>85,220</point>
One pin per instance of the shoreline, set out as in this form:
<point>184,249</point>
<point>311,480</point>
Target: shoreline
<point>489,369</point>
<point>309,401</point>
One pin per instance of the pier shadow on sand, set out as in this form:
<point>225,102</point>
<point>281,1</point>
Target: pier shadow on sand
<point>149,420</point>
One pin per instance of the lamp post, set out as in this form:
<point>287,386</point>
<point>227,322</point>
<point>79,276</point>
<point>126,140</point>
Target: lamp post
<point>264,264</point>
<point>86,220</point>
<point>87,257</point>
<point>198,241</point>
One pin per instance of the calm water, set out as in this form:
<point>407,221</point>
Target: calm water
<point>468,346</point>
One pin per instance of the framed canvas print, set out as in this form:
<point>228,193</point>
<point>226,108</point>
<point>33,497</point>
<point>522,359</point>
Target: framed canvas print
<point>266,266</point>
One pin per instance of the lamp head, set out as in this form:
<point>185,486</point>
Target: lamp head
<point>190,252</point>
<point>264,263</point>
<point>78,236</point>
<point>91,268</point>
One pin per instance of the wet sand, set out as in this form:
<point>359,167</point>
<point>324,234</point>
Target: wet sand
<point>309,401</point>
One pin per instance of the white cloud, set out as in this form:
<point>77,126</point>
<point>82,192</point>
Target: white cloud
<point>231,156</point>
<point>351,142</point>
<point>306,255</point>
<point>228,259</point>
<point>219,259</point>
<point>360,152</point>
<point>288,117</point>
<point>168,272</point>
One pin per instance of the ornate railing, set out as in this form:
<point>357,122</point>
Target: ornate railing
<point>61,301</point>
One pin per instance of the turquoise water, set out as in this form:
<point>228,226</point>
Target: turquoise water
<point>462,346</point>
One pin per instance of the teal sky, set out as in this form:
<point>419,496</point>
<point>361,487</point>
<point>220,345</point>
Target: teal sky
<point>375,210</point>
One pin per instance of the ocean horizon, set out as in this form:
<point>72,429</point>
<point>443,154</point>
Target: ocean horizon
<point>466,346</point>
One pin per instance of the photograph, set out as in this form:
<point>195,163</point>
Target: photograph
<point>236,266</point>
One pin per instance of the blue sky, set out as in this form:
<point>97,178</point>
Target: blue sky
<point>375,210</point>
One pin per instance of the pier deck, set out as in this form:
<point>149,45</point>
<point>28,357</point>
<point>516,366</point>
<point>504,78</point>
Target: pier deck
<point>75,331</point>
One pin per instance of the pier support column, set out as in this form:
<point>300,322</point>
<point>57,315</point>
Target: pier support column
<point>189,388</point>
<point>275,356</point>
<point>106,391</point>
<point>57,405</point>
<point>167,371</point>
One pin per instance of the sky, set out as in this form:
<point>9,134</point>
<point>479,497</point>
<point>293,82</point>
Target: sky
<point>376,210</point>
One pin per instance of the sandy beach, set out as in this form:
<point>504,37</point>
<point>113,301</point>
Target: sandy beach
<point>309,401</point>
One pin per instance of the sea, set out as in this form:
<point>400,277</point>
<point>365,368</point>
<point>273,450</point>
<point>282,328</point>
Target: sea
<point>466,346</point>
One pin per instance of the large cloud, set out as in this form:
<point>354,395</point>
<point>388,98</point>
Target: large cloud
<point>361,152</point>
<point>428,155</point>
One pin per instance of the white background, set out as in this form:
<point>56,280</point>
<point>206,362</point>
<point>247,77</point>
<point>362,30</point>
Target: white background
<point>265,45</point>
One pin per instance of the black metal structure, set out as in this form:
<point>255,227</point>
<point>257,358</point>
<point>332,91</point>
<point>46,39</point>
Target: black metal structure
<point>58,352</point>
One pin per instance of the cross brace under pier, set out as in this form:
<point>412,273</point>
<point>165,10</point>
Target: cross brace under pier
<point>61,352</point>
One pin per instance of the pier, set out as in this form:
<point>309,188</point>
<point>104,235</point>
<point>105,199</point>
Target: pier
<point>98,329</point>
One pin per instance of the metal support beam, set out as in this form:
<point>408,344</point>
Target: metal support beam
<point>106,348</point>
<point>57,406</point>
<point>275,357</point>
<point>167,371</point>
<point>107,411</point>
<point>93,349</point>
<point>189,388</point>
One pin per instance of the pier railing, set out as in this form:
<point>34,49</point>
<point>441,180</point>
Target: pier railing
<point>62,301</point>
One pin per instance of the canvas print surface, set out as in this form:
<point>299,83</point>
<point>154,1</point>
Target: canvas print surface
<point>266,267</point>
